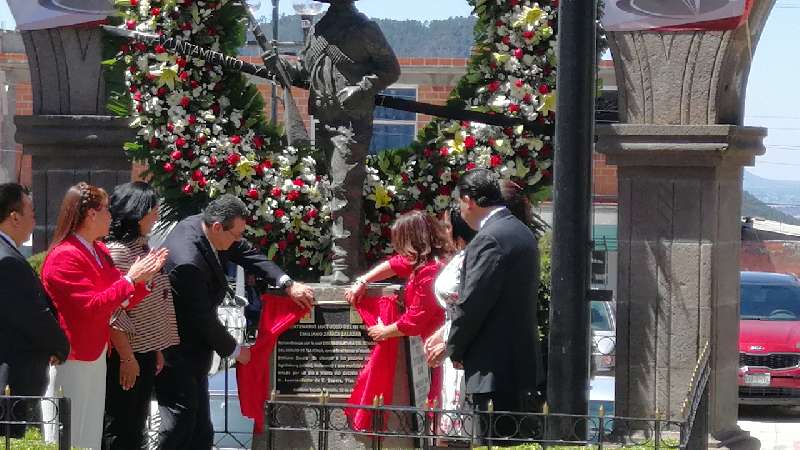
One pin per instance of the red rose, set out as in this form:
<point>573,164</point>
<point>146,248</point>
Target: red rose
<point>154,142</point>
<point>159,48</point>
<point>527,98</point>
<point>445,190</point>
<point>184,75</point>
<point>518,53</point>
<point>162,91</point>
<point>279,213</point>
<point>194,84</point>
<point>233,159</point>
<point>499,23</point>
<point>418,206</point>
<point>258,141</point>
<point>533,164</point>
<point>519,83</point>
<point>202,182</point>
<point>470,165</point>
<point>512,108</point>
<point>185,102</point>
<point>134,3</point>
<point>130,24</point>
<point>192,119</point>
<point>528,35</point>
<point>298,182</point>
<point>428,152</point>
<point>404,176</point>
<point>312,213</point>
<point>546,150</point>
<point>201,139</point>
<point>236,139</point>
<point>267,164</point>
<point>493,86</point>
<point>155,11</point>
<point>267,227</point>
<point>523,152</point>
<point>188,189</point>
<point>176,155</point>
<point>384,218</point>
<point>186,26</point>
<point>282,244</point>
<point>137,96</point>
<point>293,195</point>
<point>444,151</point>
<point>180,142</point>
<point>470,142</point>
<point>506,40</point>
<point>181,62</point>
<point>546,173</point>
<point>170,127</point>
<point>212,160</point>
<point>291,237</point>
<point>197,175</point>
<point>544,89</point>
<point>303,262</point>
<point>276,192</point>
<point>169,167</point>
<point>495,160</point>
<point>253,193</point>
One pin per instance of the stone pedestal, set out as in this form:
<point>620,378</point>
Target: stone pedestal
<point>66,150</point>
<point>332,308</point>
<point>680,193</point>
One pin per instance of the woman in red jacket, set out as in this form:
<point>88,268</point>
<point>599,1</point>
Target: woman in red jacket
<point>422,247</point>
<point>79,276</point>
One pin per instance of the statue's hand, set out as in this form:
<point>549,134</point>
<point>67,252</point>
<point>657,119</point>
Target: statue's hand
<point>353,98</point>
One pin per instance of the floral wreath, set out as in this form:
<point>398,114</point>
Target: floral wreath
<point>202,131</point>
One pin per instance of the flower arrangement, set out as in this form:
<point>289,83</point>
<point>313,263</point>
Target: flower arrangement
<point>202,130</point>
<point>203,133</point>
<point>511,72</point>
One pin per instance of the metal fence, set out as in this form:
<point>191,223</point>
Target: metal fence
<point>18,413</point>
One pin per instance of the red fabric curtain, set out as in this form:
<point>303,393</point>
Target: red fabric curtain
<point>278,314</point>
<point>377,376</point>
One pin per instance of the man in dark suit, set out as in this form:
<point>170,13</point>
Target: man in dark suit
<point>199,247</point>
<point>30,336</point>
<point>494,332</point>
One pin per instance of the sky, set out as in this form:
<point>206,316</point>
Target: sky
<point>773,94</point>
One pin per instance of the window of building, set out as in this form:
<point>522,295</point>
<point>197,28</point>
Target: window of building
<point>394,128</point>
<point>599,268</point>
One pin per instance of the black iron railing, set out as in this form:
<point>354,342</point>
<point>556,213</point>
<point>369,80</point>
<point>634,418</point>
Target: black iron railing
<point>17,413</point>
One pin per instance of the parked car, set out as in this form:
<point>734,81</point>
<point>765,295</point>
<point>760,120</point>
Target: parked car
<point>769,339</point>
<point>604,340</point>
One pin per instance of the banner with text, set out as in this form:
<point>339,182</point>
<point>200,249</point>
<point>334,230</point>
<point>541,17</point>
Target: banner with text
<point>675,15</point>
<point>41,14</point>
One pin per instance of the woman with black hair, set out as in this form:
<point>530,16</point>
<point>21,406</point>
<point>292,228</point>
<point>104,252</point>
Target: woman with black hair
<point>137,335</point>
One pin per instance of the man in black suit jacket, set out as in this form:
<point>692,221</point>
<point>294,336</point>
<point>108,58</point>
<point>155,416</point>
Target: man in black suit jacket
<point>30,336</point>
<point>199,247</point>
<point>494,331</point>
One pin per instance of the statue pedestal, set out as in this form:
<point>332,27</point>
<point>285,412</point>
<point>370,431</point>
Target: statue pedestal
<point>302,368</point>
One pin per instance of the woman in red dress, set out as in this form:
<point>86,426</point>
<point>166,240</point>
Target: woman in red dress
<point>422,248</point>
<point>86,289</point>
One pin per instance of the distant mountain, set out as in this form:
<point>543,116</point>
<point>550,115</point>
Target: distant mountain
<point>781,194</point>
<point>753,207</point>
<point>449,38</point>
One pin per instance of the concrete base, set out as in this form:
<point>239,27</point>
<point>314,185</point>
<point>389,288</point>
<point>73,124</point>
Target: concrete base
<point>735,439</point>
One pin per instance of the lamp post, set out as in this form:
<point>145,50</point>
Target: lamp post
<point>307,10</point>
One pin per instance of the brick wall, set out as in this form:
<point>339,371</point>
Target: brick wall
<point>24,107</point>
<point>770,256</point>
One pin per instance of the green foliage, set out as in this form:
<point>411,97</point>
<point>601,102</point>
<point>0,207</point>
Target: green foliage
<point>32,440</point>
<point>36,261</point>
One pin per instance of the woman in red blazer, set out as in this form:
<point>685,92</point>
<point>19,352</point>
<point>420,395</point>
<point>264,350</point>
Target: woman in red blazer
<point>422,246</point>
<point>86,289</point>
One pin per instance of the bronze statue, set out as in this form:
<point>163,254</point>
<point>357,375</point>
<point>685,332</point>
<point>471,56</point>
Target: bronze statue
<point>346,60</point>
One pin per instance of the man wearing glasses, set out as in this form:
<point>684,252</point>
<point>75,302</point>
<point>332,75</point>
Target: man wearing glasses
<point>199,248</point>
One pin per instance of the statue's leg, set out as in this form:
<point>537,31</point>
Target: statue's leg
<point>350,145</point>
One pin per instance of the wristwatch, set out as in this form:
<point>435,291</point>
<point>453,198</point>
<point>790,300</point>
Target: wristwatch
<point>287,283</point>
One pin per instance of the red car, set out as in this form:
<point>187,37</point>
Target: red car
<point>769,339</point>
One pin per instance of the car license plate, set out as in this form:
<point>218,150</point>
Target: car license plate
<point>757,379</point>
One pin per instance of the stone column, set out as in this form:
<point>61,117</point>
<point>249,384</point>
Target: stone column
<point>680,193</point>
<point>70,137</point>
<point>680,155</point>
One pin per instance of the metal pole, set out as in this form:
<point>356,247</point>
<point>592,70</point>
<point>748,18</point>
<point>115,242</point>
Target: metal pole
<point>274,92</point>
<point>568,364</point>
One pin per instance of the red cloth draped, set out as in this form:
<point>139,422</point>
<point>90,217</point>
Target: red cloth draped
<point>377,375</point>
<point>278,314</point>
